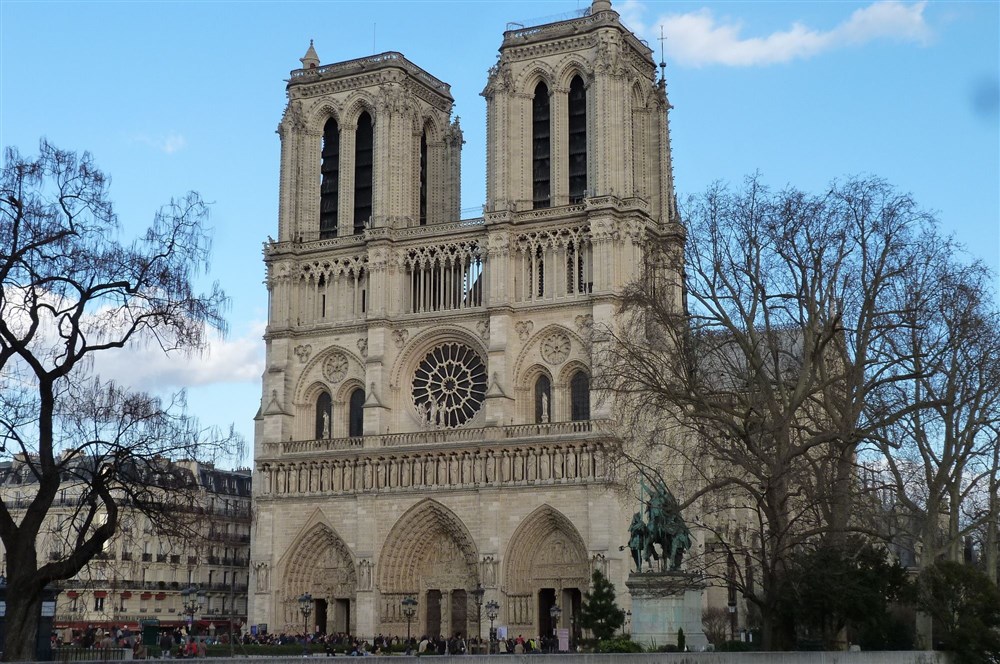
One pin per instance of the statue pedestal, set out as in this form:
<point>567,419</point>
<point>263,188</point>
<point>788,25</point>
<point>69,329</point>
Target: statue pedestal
<point>662,603</point>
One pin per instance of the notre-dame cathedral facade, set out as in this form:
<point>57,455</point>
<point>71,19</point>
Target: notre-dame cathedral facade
<point>427,425</point>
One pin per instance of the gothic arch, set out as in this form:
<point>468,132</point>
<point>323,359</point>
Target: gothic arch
<point>428,547</point>
<point>529,78</point>
<point>312,374</point>
<point>431,125</point>
<point>546,550</point>
<point>320,113</point>
<point>567,371</point>
<point>573,65</point>
<point>354,106</point>
<point>319,562</point>
<point>422,343</point>
<point>528,355</point>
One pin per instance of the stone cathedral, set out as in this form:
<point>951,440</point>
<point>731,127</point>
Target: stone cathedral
<point>427,426</point>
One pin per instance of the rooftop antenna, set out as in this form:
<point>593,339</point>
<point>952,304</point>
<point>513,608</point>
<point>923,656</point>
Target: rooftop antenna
<point>663,62</point>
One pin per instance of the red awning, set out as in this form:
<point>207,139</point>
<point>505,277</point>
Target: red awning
<point>72,594</point>
<point>126,594</point>
<point>100,593</point>
<point>161,595</point>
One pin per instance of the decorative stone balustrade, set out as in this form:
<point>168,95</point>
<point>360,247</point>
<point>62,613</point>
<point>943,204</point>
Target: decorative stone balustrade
<point>432,437</point>
<point>377,471</point>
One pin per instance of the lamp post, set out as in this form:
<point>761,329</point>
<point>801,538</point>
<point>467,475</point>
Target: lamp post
<point>555,612</point>
<point>409,605</point>
<point>478,594</point>
<point>492,611</point>
<point>306,608</point>
<point>194,601</point>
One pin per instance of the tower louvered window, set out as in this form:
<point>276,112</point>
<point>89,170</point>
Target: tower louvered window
<point>363,172</point>
<point>577,140</point>
<point>541,171</point>
<point>423,178</point>
<point>329,200</point>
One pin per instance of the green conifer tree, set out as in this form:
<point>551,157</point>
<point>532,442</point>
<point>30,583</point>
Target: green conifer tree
<point>599,613</point>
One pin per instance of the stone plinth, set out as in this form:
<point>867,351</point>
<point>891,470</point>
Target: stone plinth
<point>664,602</point>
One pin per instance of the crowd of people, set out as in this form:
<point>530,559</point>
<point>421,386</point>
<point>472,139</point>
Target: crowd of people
<point>179,644</point>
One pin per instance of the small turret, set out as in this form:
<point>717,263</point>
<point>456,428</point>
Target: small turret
<point>600,6</point>
<point>310,60</point>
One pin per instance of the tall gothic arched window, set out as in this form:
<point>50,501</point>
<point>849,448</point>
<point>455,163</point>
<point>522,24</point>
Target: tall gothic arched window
<point>324,406</point>
<point>543,400</point>
<point>356,413</point>
<point>423,178</point>
<point>329,188</point>
<point>541,148</point>
<point>577,140</point>
<point>364,162</point>
<point>579,396</point>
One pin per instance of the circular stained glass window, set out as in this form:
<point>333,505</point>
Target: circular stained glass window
<point>449,385</point>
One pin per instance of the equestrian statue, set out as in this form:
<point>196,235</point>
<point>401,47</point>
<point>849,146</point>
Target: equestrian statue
<point>662,526</point>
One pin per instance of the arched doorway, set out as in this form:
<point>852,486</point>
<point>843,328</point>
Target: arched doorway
<point>321,564</point>
<point>429,554</point>
<point>546,565</point>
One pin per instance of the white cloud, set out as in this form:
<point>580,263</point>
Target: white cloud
<point>169,144</point>
<point>700,38</point>
<point>236,360</point>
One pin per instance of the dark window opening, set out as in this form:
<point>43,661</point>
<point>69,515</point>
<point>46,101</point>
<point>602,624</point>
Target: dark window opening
<point>356,414</point>
<point>540,148</point>
<point>323,410</point>
<point>543,400</point>
<point>423,179</point>
<point>363,172</point>
<point>329,199</point>
<point>577,140</point>
<point>579,395</point>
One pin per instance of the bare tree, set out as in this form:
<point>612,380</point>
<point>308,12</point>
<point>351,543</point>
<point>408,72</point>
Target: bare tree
<point>758,385</point>
<point>70,289</point>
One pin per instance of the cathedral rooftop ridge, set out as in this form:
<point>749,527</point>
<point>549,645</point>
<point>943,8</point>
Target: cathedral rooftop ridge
<point>599,15</point>
<point>369,63</point>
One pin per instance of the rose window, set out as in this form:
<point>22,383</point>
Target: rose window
<point>449,385</point>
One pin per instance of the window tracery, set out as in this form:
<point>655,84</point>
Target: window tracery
<point>449,385</point>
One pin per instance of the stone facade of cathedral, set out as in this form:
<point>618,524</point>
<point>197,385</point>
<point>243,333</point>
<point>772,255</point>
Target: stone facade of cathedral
<point>427,425</point>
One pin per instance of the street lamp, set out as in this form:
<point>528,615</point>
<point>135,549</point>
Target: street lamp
<point>492,611</point>
<point>194,602</point>
<point>409,605</point>
<point>306,608</point>
<point>555,612</point>
<point>478,594</point>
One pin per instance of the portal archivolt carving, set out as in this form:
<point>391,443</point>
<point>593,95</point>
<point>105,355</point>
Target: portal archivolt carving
<point>320,564</point>
<point>546,551</point>
<point>429,547</point>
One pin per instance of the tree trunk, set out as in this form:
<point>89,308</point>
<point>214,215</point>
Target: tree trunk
<point>24,604</point>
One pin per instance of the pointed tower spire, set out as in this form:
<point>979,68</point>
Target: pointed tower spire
<point>310,60</point>
<point>600,6</point>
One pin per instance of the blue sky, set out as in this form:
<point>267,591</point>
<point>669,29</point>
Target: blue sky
<point>175,96</point>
